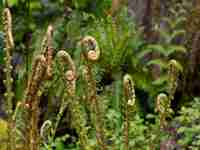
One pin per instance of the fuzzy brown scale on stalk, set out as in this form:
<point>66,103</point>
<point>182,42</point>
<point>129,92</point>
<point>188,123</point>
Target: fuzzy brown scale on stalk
<point>87,75</point>
<point>32,100</point>
<point>47,50</point>
<point>39,68</point>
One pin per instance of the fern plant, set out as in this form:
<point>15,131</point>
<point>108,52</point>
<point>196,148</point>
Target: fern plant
<point>166,48</point>
<point>189,125</point>
<point>115,37</point>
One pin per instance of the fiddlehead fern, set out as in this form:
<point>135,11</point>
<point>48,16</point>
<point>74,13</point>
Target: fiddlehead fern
<point>46,130</point>
<point>47,50</point>
<point>129,93</point>
<point>91,53</point>
<point>91,48</point>
<point>163,108</point>
<point>173,73</point>
<point>70,82</point>
<point>70,74</point>
<point>32,99</point>
<point>9,45</point>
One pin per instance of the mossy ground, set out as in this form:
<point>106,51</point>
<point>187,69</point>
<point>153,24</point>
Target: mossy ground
<point>3,134</point>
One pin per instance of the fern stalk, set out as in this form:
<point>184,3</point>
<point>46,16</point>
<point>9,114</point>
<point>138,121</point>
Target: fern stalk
<point>173,73</point>
<point>47,50</point>
<point>9,45</point>
<point>91,53</point>
<point>163,107</point>
<point>70,78</point>
<point>70,82</point>
<point>129,93</point>
<point>32,100</point>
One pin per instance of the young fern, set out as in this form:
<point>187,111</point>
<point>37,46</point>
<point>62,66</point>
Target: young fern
<point>32,100</point>
<point>163,108</point>
<point>9,45</point>
<point>91,53</point>
<point>70,81</point>
<point>129,93</point>
<point>47,50</point>
<point>20,118</point>
<point>46,130</point>
<point>173,73</point>
<point>78,118</point>
<point>90,48</point>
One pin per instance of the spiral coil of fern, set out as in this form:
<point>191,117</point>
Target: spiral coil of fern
<point>70,82</point>
<point>91,53</point>
<point>129,93</point>
<point>173,73</point>
<point>163,108</point>
<point>91,48</point>
<point>46,130</point>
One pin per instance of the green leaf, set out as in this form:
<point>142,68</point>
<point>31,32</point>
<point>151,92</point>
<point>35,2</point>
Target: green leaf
<point>165,35</point>
<point>178,21</point>
<point>151,48</point>
<point>159,62</point>
<point>80,3</point>
<point>59,146</point>
<point>175,48</point>
<point>143,53</point>
<point>35,5</point>
<point>160,80</point>
<point>157,48</point>
<point>177,33</point>
<point>13,2</point>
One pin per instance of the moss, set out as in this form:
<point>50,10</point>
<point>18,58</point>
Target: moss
<point>3,134</point>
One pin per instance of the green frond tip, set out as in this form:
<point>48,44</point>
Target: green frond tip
<point>90,48</point>
<point>129,90</point>
<point>175,64</point>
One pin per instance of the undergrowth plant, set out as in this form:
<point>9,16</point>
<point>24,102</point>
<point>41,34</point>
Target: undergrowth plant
<point>91,53</point>
<point>170,45</point>
<point>129,108</point>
